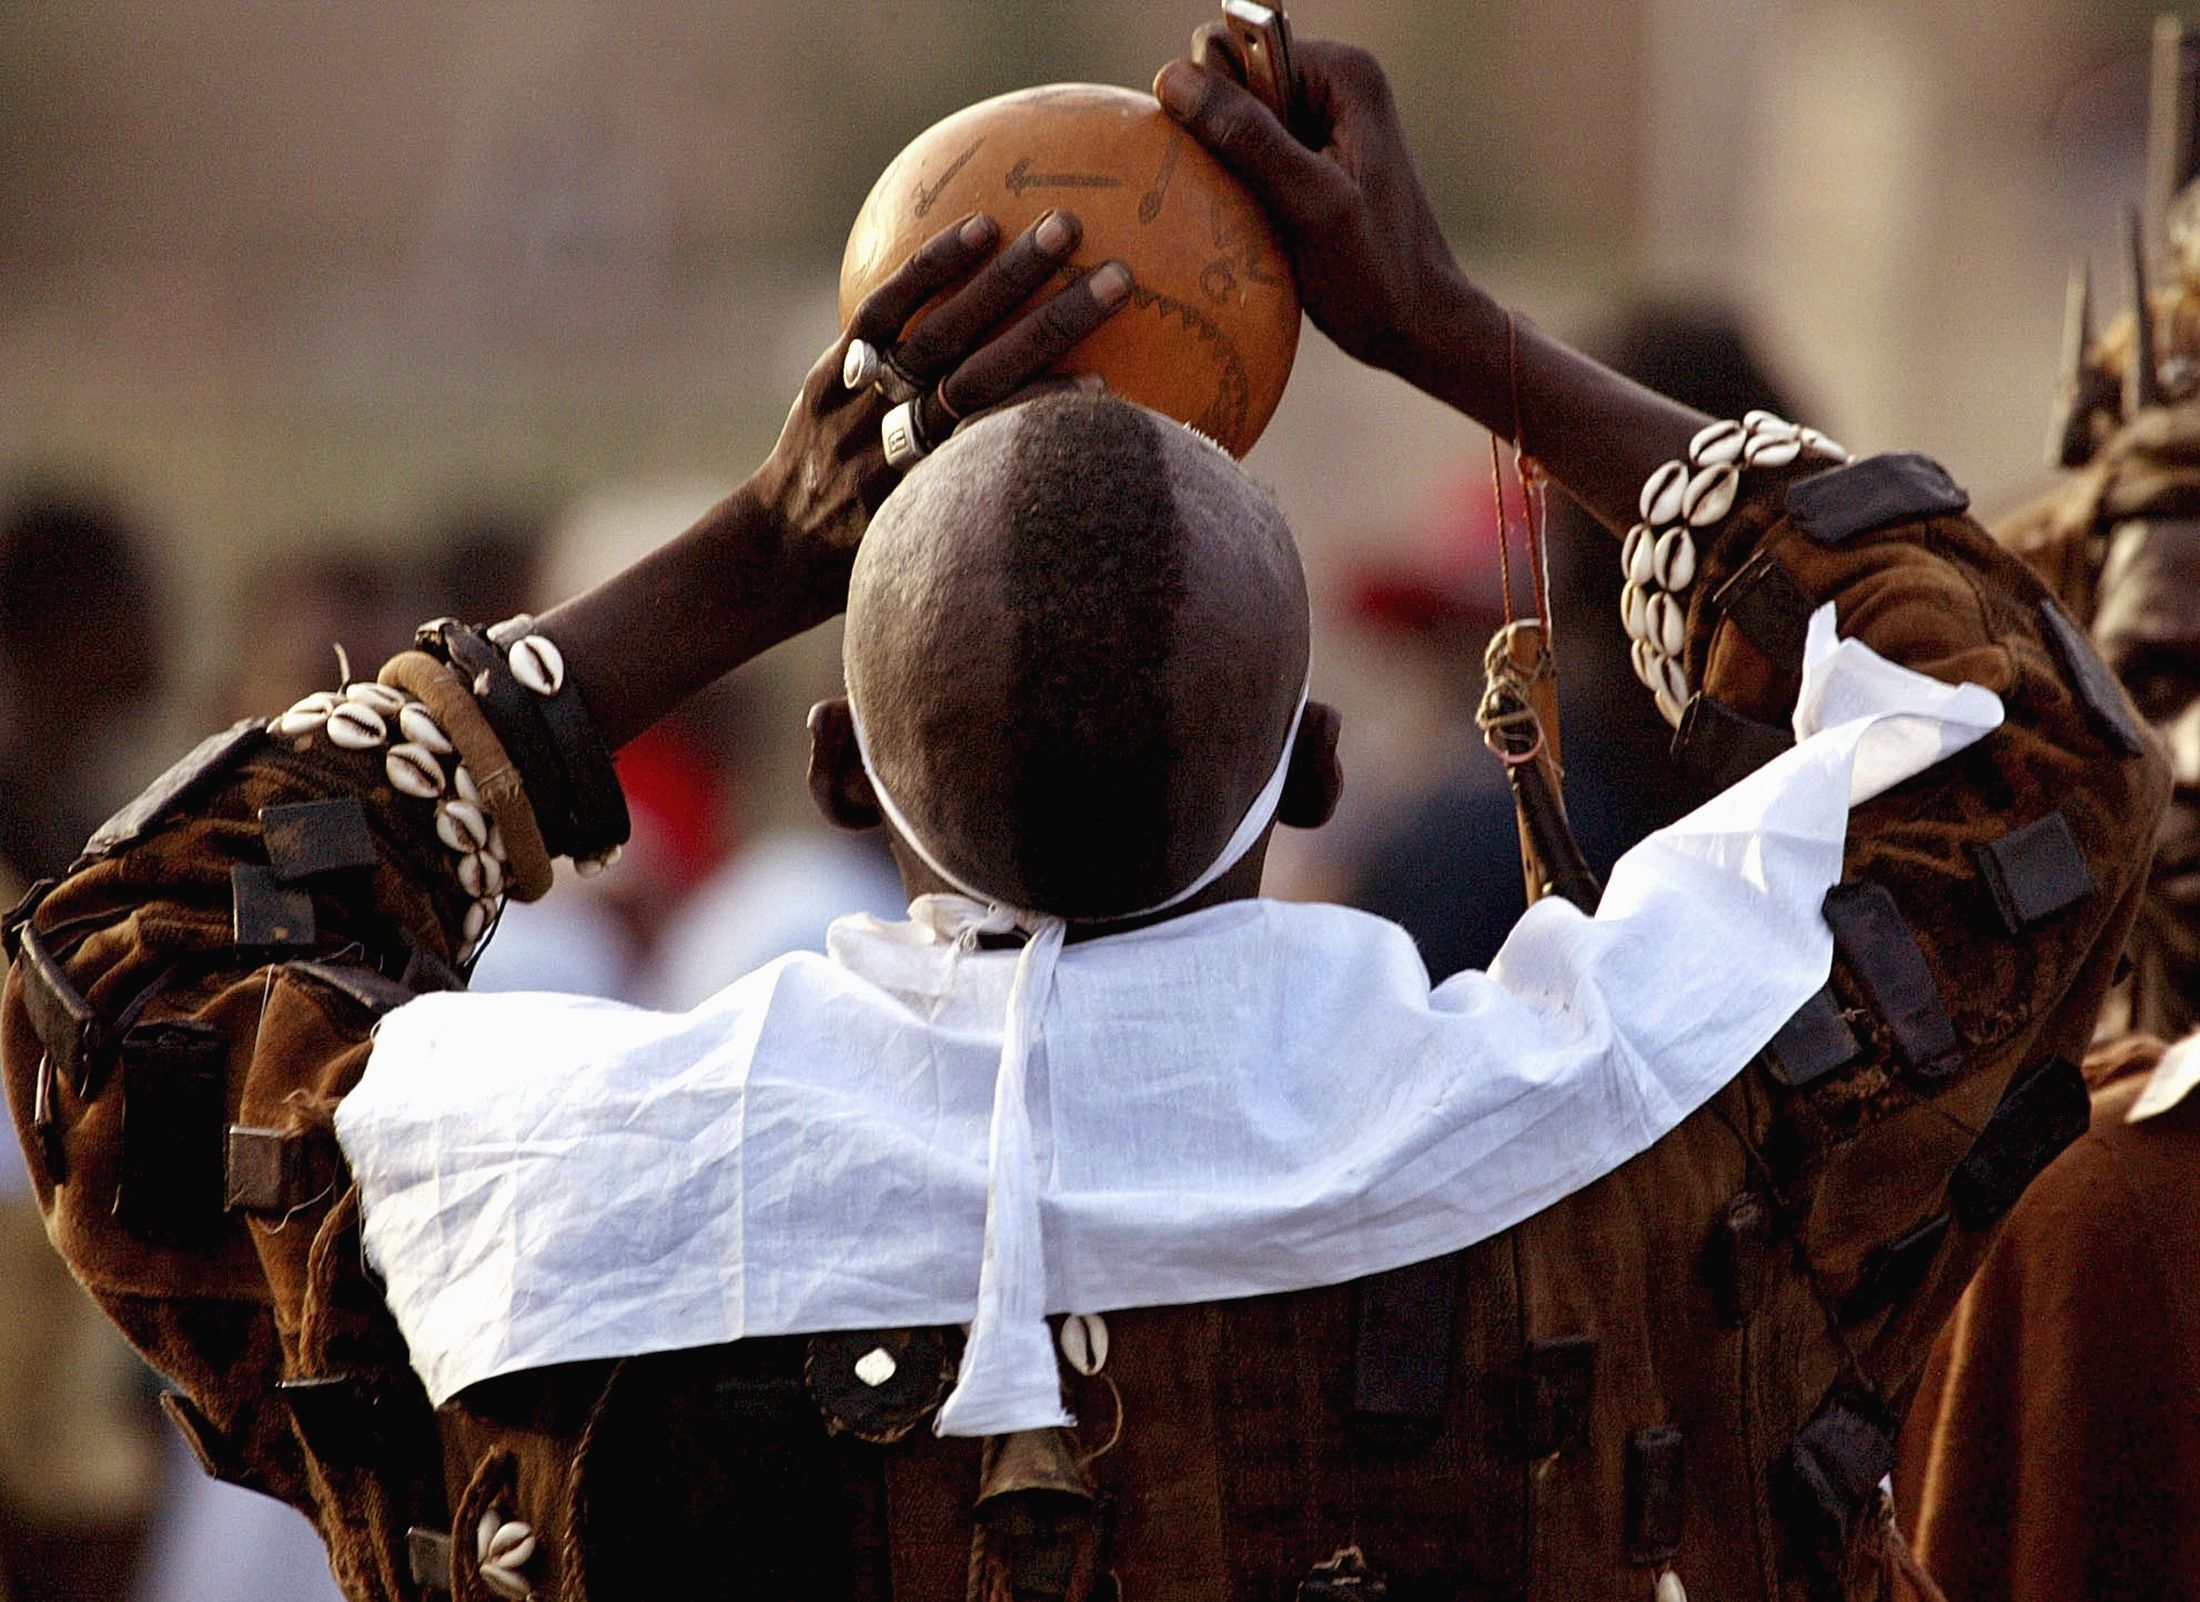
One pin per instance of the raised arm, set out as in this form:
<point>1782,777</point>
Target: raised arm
<point>1377,276</point>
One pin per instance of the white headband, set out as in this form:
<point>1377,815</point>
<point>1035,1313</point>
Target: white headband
<point>1008,1377</point>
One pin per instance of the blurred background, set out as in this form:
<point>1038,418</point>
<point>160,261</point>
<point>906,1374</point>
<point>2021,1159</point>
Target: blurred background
<point>316,320</point>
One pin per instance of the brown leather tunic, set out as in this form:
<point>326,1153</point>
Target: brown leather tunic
<point>1698,1362</point>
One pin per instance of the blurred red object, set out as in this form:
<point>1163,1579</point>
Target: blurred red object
<point>679,804</point>
<point>1444,577</point>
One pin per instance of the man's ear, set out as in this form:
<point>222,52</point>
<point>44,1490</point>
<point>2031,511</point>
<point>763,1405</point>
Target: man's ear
<point>838,784</point>
<point>1315,784</point>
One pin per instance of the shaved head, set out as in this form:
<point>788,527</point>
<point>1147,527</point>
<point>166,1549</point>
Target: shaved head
<point>1077,634</point>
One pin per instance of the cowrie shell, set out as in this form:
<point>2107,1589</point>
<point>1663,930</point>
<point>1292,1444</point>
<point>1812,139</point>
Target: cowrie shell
<point>1661,493</point>
<point>414,770</point>
<point>1672,681</point>
<point>1675,559</point>
<point>1084,1342</point>
<point>1668,709</point>
<point>495,847</point>
<point>476,920</point>
<point>1758,421</point>
<point>876,1366</point>
<point>480,875</point>
<point>1644,656</point>
<point>381,697</point>
<point>1670,1589</point>
<point>463,786</point>
<point>1818,445</point>
<point>308,715</point>
<point>511,1546</point>
<point>1668,628</point>
<point>1710,494</point>
<point>536,663</point>
<point>1634,553</point>
<point>420,729</point>
<point>589,867</point>
<point>461,825</point>
<point>1716,443</point>
<point>356,726</point>
<point>1772,452</point>
<point>1634,609</point>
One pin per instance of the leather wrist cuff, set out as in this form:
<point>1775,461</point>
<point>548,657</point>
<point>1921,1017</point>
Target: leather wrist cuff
<point>563,762</point>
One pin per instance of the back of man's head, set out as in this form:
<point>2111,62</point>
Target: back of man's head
<point>1077,636</point>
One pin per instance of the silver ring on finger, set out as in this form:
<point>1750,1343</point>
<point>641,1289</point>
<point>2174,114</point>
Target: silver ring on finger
<point>903,436</point>
<point>895,381</point>
<point>859,369</point>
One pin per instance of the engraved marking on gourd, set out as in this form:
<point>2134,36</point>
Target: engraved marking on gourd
<point>1225,415</point>
<point>1149,204</point>
<point>928,195</point>
<point>1021,177</point>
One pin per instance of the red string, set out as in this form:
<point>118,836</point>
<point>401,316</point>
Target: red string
<point>1534,484</point>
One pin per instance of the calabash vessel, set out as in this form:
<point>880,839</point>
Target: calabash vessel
<point>1213,323</point>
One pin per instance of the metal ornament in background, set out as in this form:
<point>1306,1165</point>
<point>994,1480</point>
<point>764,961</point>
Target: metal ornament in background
<point>2091,400</point>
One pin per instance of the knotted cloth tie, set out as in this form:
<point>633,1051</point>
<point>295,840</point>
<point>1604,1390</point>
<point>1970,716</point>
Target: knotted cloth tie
<point>1007,1380</point>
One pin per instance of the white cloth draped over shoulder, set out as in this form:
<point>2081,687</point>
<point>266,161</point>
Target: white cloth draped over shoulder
<point>1256,1097</point>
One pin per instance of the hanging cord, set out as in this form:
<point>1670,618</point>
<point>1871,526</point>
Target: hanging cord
<point>1511,726</point>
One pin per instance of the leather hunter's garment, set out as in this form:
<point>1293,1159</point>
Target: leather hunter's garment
<point>1697,1362</point>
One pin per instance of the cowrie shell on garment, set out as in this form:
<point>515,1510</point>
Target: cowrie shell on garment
<point>1672,682</point>
<point>1644,656</point>
<point>1710,494</point>
<point>511,1546</point>
<point>495,847</point>
<point>476,920</point>
<point>1634,609</point>
<point>1661,493</point>
<point>1084,1342</point>
<point>1675,559</point>
<point>501,1549</point>
<point>420,729</point>
<point>1668,629</point>
<point>1758,421</point>
<point>463,786</point>
<point>1818,445</point>
<point>1772,452</point>
<point>1634,553</point>
<point>381,697</point>
<point>480,875</point>
<point>537,664</point>
<point>876,1366</point>
<point>308,715</point>
<point>1670,1589</point>
<point>589,867</point>
<point>1716,443</point>
<point>414,770</point>
<point>461,825</point>
<point>1668,709</point>
<point>356,726</point>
